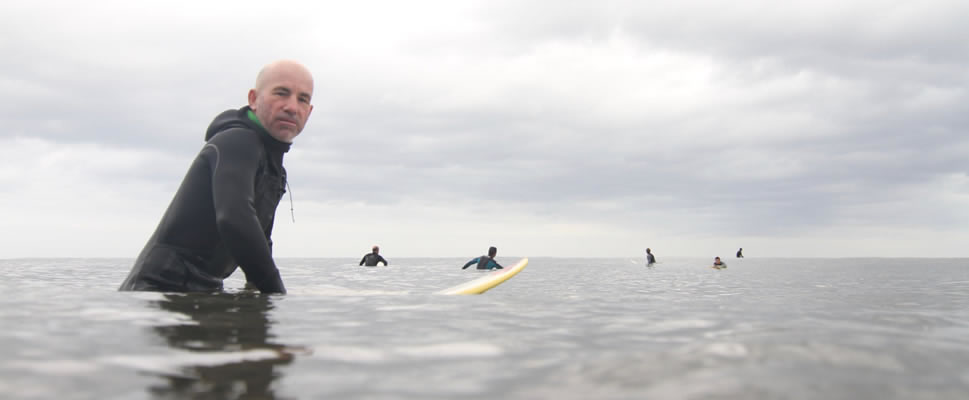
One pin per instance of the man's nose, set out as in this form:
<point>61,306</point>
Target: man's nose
<point>291,104</point>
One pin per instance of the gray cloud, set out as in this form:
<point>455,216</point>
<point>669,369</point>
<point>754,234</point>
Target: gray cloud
<point>754,118</point>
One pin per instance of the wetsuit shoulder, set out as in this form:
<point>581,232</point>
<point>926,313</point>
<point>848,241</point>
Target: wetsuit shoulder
<point>237,142</point>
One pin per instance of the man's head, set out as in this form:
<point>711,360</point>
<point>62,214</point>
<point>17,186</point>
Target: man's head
<point>281,98</point>
<point>647,249</point>
<point>492,251</point>
<point>376,249</point>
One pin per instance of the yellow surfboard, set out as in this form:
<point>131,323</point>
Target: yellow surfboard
<point>492,279</point>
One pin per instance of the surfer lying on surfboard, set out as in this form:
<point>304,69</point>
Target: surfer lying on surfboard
<point>485,262</point>
<point>718,264</point>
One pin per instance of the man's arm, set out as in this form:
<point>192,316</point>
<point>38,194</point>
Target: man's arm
<point>234,158</point>
<point>381,259</point>
<point>475,261</point>
<point>363,259</point>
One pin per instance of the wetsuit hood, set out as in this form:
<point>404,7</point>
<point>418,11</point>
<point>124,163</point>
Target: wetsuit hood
<point>240,119</point>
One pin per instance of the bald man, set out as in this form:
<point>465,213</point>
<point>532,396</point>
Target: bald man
<point>222,214</point>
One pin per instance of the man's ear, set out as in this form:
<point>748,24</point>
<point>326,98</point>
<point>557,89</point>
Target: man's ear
<point>252,99</point>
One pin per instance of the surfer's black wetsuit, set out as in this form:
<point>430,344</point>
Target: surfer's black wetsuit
<point>484,262</point>
<point>650,259</point>
<point>371,260</point>
<point>221,216</point>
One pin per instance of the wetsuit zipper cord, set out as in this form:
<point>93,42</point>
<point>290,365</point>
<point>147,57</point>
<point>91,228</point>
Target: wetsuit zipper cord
<point>292,212</point>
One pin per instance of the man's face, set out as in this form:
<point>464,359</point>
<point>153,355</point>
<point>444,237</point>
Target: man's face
<point>282,104</point>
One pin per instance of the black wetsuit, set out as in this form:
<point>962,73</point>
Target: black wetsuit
<point>650,259</point>
<point>484,262</point>
<point>221,216</point>
<point>371,260</point>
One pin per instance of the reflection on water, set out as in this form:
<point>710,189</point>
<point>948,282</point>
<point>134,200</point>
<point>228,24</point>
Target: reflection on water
<point>233,354</point>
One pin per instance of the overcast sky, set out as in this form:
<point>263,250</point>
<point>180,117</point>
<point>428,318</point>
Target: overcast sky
<point>545,128</point>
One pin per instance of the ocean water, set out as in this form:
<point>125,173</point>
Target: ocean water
<point>565,328</point>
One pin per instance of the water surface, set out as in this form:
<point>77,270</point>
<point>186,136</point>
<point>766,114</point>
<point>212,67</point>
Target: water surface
<point>564,328</point>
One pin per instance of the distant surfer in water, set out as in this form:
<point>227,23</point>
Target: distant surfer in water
<point>740,253</point>
<point>718,264</point>
<point>371,259</point>
<point>650,259</point>
<point>485,262</point>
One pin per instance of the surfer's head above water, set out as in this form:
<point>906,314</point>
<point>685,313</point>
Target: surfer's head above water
<point>281,98</point>
<point>492,251</point>
<point>376,249</point>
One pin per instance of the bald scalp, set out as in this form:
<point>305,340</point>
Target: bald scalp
<point>282,69</point>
